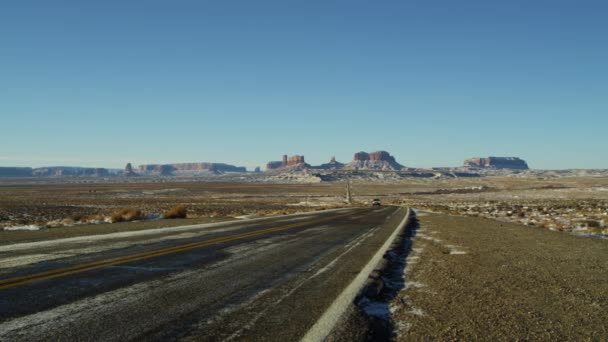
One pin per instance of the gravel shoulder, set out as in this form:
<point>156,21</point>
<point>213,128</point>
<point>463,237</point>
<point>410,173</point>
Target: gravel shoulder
<point>480,279</point>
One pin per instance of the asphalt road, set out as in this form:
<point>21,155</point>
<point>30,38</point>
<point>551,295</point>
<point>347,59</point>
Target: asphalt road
<point>258,280</point>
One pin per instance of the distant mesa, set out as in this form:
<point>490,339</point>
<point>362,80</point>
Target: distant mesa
<point>182,169</point>
<point>68,171</point>
<point>55,171</point>
<point>187,169</point>
<point>363,161</point>
<point>379,160</point>
<point>332,165</point>
<point>512,163</point>
<point>294,162</point>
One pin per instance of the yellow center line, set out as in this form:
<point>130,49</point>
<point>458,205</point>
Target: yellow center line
<point>36,277</point>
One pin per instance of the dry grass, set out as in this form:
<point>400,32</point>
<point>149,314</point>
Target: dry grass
<point>126,214</point>
<point>179,211</point>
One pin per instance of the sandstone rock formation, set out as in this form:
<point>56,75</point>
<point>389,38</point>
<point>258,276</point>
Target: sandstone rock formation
<point>293,162</point>
<point>188,169</point>
<point>513,163</point>
<point>332,165</point>
<point>379,160</point>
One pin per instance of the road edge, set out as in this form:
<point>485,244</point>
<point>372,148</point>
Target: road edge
<point>330,318</point>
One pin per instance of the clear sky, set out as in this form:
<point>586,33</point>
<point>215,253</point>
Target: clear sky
<point>100,83</point>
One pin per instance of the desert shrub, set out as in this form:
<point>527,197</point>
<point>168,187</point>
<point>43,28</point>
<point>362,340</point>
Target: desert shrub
<point>77,217</point>
<point>176,212</point>
<point>126,214</point>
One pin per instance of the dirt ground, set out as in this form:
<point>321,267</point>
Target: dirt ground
<point>26,204</point>
<point>37,201</point>
<point>479,279</point>
<point>62,202</point>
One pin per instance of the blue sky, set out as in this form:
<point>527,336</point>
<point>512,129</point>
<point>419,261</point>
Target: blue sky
<point>100,83</point>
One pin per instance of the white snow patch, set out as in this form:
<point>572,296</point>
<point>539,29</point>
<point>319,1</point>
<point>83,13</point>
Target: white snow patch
<point>416,311</point>
<point>30,259</point>
<point>26,227</point>
<point>245,217</point>
<point>430,238</point>
<point>402,327</point>
<point>413,284</point>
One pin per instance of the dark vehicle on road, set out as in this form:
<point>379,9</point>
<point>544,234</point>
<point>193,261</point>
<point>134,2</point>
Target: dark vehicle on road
<point>376,202</point>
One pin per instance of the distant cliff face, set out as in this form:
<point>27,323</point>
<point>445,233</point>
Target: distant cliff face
<point>15,171</point>
<point>187,168</point>
<point>513,163</point>
<point>293,162</point>
<point>66,171</point>
<point>379,160</point>
<point>54,171</point>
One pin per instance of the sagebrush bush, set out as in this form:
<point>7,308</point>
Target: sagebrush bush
<point>176,212</point>
<point>126,214</point>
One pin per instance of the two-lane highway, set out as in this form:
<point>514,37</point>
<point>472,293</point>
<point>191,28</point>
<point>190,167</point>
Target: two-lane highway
<point>267,279</point>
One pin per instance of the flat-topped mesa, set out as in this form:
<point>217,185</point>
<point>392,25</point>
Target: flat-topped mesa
<point>155,170</point>
<point>188,169</point>
<point>293,162</point>
<point>70,171</point>
<point>379,160</point>
<point>55,171</point>
<point>512,163</point>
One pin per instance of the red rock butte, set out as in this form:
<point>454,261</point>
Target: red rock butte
<point>374,156</point>
<point>293,161</point>
<point>379,160</point>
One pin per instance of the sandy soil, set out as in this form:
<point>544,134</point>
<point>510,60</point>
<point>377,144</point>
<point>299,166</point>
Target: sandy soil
<point>478,279</point>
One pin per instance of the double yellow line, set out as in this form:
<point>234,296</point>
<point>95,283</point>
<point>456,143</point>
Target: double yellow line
<point>62,272</point>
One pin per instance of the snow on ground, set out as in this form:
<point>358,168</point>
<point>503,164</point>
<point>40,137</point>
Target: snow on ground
<point>26,227</point>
